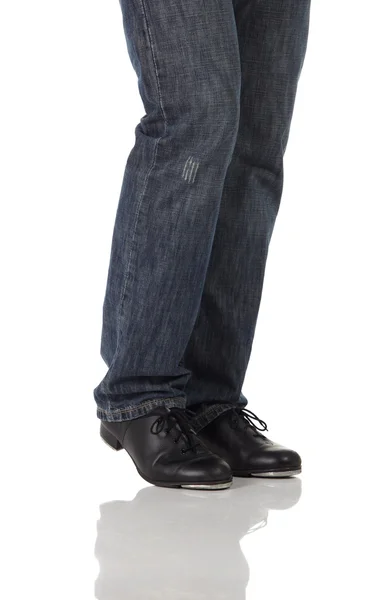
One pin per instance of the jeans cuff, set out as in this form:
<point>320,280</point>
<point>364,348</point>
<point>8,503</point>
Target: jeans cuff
<point>139,410</point>
<point>208,413</point>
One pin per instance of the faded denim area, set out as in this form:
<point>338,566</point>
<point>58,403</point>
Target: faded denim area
<point>200,195</point>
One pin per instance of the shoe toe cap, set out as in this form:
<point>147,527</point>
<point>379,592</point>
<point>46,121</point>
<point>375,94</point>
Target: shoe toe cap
<point>276,457</point>
<point>209,468</point>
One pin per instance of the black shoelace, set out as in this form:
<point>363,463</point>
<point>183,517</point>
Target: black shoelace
<point>246,417</point>
<point>176,419</point>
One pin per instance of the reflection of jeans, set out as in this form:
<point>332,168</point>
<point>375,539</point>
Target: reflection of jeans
<point>178,545</point>
<point>200,195</point>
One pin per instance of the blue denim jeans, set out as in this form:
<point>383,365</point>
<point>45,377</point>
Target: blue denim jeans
<point>199,199</point>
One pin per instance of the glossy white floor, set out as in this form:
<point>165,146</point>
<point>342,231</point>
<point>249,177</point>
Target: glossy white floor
<point>80,523</point>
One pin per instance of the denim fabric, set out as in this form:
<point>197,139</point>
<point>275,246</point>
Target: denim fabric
<point>202,414</point>
<point>199,199</point>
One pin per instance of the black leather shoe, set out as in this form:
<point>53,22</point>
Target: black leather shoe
<point>167,452</point>
<point>235,438</point>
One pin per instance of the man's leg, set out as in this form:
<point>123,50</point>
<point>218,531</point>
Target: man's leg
<point>272,38</point>
<point>186,57</point>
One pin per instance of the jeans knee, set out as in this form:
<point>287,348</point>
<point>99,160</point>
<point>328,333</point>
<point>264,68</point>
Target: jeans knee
<point>216,120</point>
<point>223,113</point>
<point>206,116</point>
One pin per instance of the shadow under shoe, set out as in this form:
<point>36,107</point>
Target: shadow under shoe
<point>166,450</point>
<point>235,438</point>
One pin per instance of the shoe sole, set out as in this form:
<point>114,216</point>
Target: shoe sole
<point>271,474</point>
<point>111,441</point>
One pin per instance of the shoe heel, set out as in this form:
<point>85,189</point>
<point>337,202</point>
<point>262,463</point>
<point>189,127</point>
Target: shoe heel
<point>109,438</point>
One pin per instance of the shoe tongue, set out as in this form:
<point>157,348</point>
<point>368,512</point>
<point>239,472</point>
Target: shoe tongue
<point>159,410</point>
<point>182,423</point>
<point>241,421</point>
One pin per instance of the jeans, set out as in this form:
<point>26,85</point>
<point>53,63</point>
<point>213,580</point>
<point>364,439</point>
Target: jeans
<point>200,194</point>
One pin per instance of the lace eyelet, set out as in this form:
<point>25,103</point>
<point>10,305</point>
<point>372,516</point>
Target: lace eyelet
<point>183,450</point>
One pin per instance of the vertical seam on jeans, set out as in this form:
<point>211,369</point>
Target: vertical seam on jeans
<point>142,2</point>
<point>127,274</point>
<point>128,268</point>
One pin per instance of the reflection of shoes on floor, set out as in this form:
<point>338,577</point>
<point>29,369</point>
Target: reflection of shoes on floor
<point>166,450</point>
<point>280,493</point>
<point>170,544</point>
<point>233,436</point>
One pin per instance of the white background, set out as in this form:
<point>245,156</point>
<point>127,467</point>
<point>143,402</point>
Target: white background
<point>320,371</point>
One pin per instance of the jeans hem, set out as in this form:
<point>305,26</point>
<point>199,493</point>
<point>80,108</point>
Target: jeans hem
<point>139,410</point>
<point>204,418</point>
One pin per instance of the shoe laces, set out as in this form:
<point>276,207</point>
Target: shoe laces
<point>176,419</point>
<point>246,417</point>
